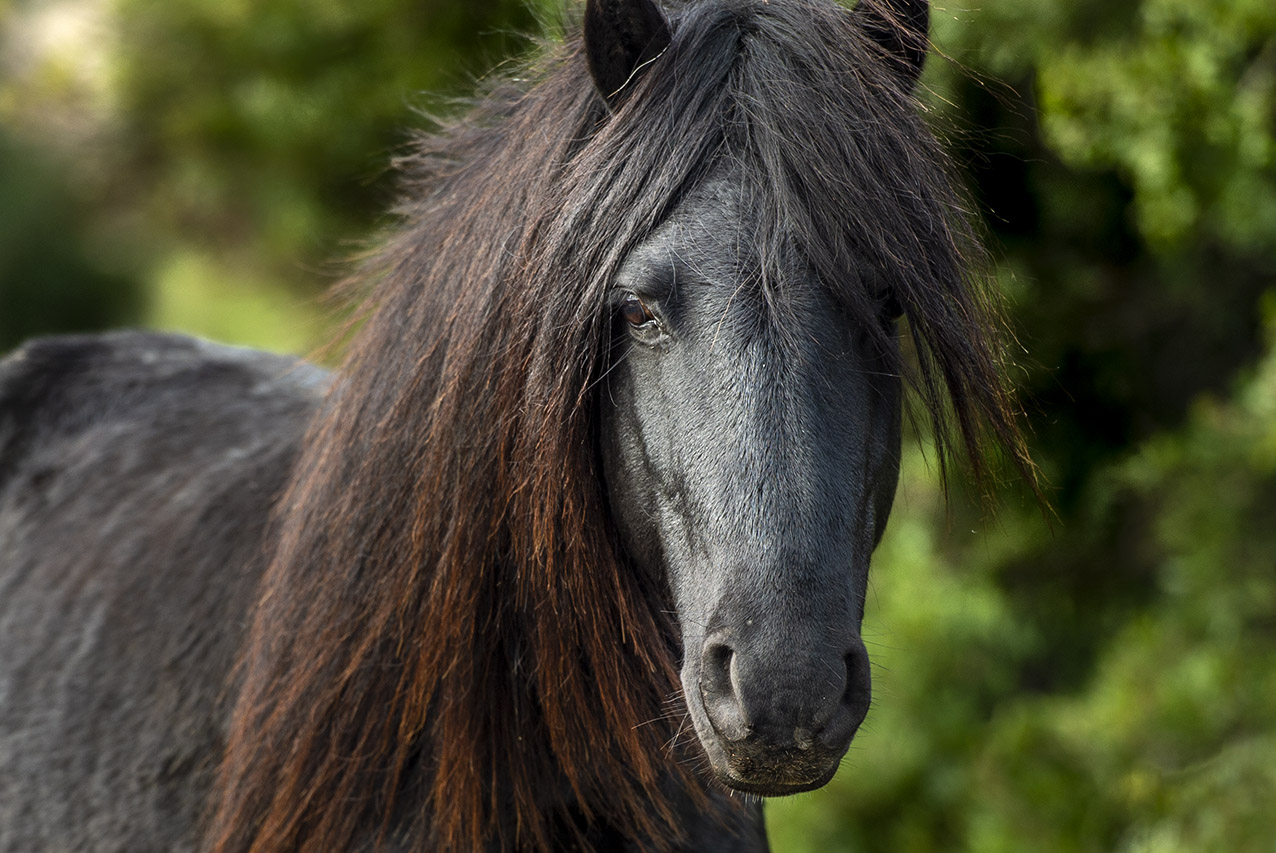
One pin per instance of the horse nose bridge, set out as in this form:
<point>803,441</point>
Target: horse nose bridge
<point>806,579</point>
<point>781,480</point>
<point>766,394</point>
<point>771,438</point>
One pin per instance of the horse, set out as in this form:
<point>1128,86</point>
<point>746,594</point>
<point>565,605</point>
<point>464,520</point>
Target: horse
<point>571,551</point>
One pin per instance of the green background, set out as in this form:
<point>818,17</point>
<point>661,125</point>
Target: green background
<point>1102,681</point>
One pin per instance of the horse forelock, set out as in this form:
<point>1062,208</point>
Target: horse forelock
<point>449,642</point>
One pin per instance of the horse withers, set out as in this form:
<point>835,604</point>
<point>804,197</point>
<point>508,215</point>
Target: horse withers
<point>573,547</point>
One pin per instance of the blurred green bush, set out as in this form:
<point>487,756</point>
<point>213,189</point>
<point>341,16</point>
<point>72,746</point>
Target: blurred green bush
<point>224,145</point>
<point>1106,681</point>
<point>53,276</point>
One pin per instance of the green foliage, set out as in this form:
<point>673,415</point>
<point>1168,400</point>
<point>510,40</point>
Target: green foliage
<point>54,275</point>
<point>195,294</point>
<point>254,137</point>
<point>265,128</point>
<point>1181,105</point>
<point>1169,744</point>
<point>1175,95</point>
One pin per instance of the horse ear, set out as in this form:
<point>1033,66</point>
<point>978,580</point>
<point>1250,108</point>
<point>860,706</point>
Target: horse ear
<point>620,37</point>
<point>900,27</point>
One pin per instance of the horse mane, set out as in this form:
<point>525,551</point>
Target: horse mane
<point>449,645</point>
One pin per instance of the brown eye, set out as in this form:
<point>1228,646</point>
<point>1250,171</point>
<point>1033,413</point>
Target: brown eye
<point>635,312</point>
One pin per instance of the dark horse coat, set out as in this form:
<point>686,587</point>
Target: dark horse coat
<point>572,550</point>
<point>138,475</point>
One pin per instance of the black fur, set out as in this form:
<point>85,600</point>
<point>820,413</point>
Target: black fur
<point>137,476</point>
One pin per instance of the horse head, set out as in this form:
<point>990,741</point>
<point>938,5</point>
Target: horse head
<point>752,451</point>
<point>751,439</point>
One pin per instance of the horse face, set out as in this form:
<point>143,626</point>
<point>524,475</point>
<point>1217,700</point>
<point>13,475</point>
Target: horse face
<point>751,445</point>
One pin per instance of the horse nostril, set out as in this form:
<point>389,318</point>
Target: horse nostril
<point>718,656</point>
<point>852,683</point>
<point>715,680</point>
<point>718,690</point>
<point>858,692</point>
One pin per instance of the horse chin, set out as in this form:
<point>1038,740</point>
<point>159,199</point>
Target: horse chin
<point>771,773</point>
<point>775,788</point>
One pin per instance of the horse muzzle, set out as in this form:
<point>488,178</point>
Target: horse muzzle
<point>777,722</point>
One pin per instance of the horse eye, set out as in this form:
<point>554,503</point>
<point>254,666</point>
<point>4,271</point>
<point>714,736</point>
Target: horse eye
<point>635,312</point>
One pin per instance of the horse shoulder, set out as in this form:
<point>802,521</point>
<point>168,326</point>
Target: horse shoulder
<point>137,476</point>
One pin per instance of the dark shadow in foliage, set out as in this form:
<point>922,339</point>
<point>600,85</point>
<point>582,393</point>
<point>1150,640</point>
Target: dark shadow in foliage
<point>48,281</point>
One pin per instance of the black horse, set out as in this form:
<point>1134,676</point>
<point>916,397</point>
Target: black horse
<point>621,423</point>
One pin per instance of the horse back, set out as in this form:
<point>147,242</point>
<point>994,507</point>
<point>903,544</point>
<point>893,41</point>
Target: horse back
<point>137,478</point>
